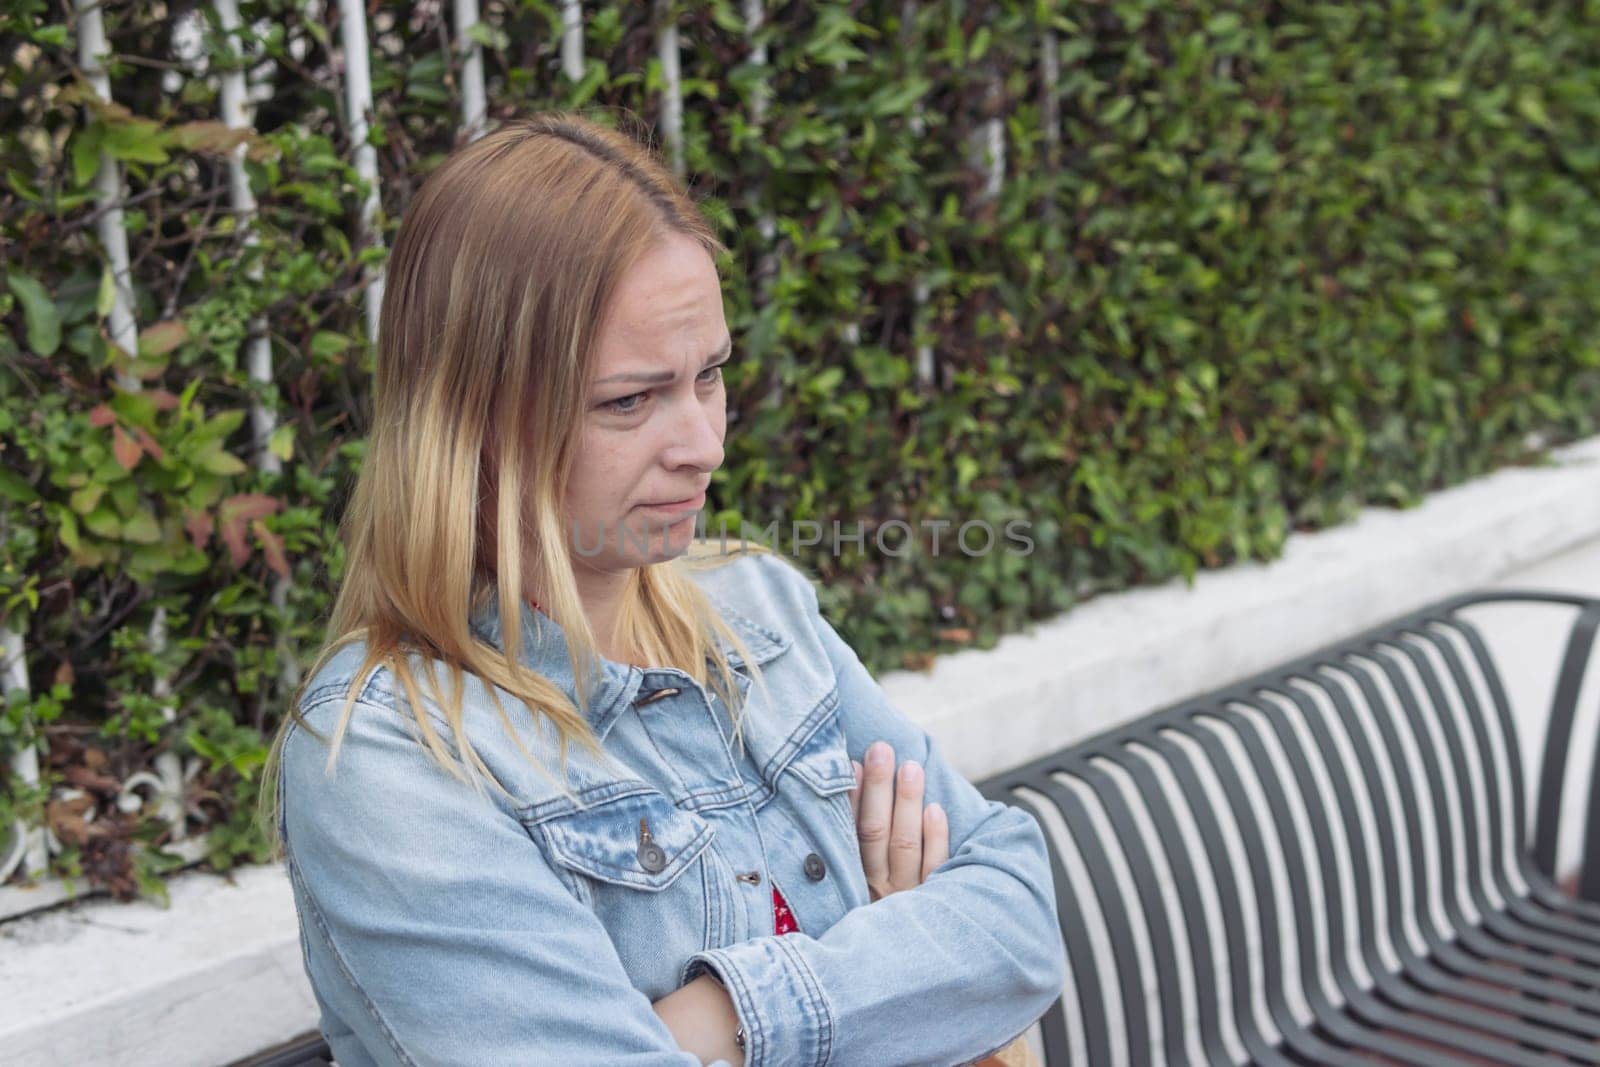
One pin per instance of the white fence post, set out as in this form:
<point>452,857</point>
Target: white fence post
<point>926,369</point>
<point>358,102</point>
<point>671,88</point>
<point>474,105</point>
<point>1049,94</point>
<point>169,777</point>
<point>27,850</point>
<point>572,40</point>
<point>263,421</point>
<point>92,49</point>
<point>989,144</point>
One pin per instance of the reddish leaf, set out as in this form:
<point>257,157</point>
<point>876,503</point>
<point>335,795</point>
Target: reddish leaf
<point>125,448</point>
<point>163,400</point>
<point>248,506</point>
<point>232,530</point>
<point>210,136</point>
<point>101,416</point>
<point>148,443</point>
<point>65,819</point>
<point>272,548</point>
<point>199,525</point>
<point>91,780</point>
<point>162,338</point>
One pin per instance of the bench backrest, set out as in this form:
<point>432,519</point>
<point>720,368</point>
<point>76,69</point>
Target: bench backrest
<point>1220,864</point>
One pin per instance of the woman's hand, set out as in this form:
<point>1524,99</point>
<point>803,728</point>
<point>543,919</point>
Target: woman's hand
<point>901,844</point>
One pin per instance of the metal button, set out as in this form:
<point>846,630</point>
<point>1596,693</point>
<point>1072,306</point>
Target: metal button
<point>659,694</point>
<point>651,857</point>
<point>815,868</point>
<point>750,877</point>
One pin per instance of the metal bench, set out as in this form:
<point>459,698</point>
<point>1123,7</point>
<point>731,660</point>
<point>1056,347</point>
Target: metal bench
<point>1328,863</point>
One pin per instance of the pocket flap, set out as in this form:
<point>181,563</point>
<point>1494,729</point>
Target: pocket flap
<point>603,839</point>
<point>816,752</point>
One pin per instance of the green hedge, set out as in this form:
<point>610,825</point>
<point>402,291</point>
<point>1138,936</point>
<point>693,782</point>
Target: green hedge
<point>1278,262</point>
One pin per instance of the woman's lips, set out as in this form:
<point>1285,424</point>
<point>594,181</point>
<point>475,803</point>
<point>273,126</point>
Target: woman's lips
<point>694,503</point>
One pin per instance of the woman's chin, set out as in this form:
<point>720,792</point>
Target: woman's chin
<point>658,541</point>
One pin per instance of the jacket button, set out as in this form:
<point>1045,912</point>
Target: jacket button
<point>651,858</point>
<point>815,868</point>
<point>659,694</point>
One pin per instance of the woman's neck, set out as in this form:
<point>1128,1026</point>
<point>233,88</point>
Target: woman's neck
<point>603,594</point>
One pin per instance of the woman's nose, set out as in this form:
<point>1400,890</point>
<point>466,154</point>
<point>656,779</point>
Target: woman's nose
<point>697,438</point>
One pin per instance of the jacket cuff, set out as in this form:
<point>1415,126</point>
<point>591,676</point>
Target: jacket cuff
<point>787,1021</point>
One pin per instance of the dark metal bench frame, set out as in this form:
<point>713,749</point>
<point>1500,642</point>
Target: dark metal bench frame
<point>1520,984</point>
<point>1511,975</point>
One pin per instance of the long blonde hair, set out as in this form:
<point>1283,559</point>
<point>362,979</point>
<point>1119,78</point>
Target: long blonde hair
<point>500,276</point>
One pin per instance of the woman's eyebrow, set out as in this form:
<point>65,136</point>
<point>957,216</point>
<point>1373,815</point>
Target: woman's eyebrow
<point>661,377</point>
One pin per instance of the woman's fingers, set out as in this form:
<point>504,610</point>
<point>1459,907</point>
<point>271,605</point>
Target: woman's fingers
<point>901,842</point>
<point>873,821</point>
<point>905,833</point>
<point>935,839</point>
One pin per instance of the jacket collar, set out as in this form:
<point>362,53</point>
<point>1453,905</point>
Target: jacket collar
<point>613,686</point>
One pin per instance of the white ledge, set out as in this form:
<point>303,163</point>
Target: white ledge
<point>218,976</point>
<point>212,979</point>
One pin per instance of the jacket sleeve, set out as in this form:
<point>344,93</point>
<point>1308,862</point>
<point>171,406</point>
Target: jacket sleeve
<point>941,974</point>
<point>443,935</point>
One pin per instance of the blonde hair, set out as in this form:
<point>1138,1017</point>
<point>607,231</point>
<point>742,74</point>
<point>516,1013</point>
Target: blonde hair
<point>500,276</point>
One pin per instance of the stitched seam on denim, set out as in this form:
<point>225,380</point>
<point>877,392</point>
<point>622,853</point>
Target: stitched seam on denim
<point>795,742</point>
<point>343,687</point>
<point>603,719</point>
<point>712,913</point>
<point>594,868</point>
<point>777,643</point>
<point>308,706</point>
<point>823,1010</point>
<point>801,828</point>
<point>730,794</point>
<point>588,798</point>
<point>338,958</point>
<point>626,876</point>
<point>661,758</point>
<point>575,885</point>
<point>997,1048</point>
<point>755,1033</point>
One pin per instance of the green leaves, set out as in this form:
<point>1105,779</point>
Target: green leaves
<point>1260,273</point>
<point>39,312</point>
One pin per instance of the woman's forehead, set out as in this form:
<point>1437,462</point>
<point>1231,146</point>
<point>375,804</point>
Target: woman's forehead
<point>668,307</point>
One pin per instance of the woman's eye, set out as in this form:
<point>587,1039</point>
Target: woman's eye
<point>634,402</point>
<point>626,405</point>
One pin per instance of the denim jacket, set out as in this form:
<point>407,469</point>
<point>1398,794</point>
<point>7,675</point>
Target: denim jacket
<point>440,925</point>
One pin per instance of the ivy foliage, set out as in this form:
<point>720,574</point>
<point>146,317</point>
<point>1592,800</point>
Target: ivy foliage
<point>1246,268</point>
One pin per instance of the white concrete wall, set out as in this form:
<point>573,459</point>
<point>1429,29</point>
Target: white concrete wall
<point>217,977</point>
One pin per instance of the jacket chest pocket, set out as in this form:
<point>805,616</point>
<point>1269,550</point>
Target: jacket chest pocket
<point>813,766</point>
<point>643,866</point>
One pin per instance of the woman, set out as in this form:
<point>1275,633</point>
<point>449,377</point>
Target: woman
<point>474,889</point>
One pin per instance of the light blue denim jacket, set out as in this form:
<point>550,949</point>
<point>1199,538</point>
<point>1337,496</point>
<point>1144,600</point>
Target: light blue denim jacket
<point>441,926</point>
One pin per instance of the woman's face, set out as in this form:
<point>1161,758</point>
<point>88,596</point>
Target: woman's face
<point>655,413</point>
